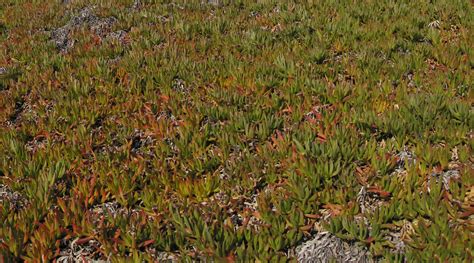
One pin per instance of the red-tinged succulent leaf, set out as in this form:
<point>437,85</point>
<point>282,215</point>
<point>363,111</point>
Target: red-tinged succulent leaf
<point>322,137</point>
<point>306,228</point>
<point>313,216</point>
<point>230,258</point>
<point>369,240</point>
<point>334,208</point>
<point>146,243</point>
<point>84,240</point>
<point>467,212</point>
<point>377,190</point>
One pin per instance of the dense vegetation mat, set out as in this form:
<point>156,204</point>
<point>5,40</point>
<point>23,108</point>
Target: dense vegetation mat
<point>236,130</point>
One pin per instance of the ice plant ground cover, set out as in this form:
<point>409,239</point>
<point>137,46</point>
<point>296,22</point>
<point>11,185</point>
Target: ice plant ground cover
<point>236,131</point>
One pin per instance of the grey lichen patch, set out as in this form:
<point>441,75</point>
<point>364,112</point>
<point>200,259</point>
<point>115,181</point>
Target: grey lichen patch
<point>162,256</point>
<point>120,35</point>
<point>326,247</point>
<point>405,157</point>
<point>179,85</point>
<point>101,27</point>
<point>109,209</point>
<point>15,200</point>
<point>137,4</point>
<point>216,3</point>
<point>80,250</point>
<point>446,177</point>
<point>368,202</point>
